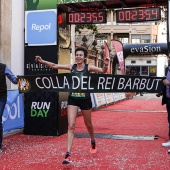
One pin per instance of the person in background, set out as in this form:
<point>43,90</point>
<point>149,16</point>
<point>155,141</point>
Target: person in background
<point>4,72</point>
<point>78,100</point>
<point>137,73</point>
<point>166,100</point>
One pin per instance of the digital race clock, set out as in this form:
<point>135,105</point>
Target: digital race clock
<point>85,17</point>
<point>138,15</point>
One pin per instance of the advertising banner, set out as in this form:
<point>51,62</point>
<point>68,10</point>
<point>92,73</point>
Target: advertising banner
<point>100,99</point>
<point>40,27</point>
<point>119,51</point>
<point>107,55</point>
<point>109,98</point>
<point>75,1</point>
<point>145,49</point>
<point>13,115</point>
<point>122,96</point>
<point>41,114</point>
<point>40,4</point>
<point>86,82</point>
<point>46,52</point>
<point>116,97</point>
<point>52,4</point>
<point>93,100</point>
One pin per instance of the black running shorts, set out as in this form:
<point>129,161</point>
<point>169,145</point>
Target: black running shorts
<point>83,103</point>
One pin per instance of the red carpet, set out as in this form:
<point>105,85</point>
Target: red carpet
<point>129,117</point>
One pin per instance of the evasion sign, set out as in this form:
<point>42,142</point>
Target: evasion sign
<point>92,83</point>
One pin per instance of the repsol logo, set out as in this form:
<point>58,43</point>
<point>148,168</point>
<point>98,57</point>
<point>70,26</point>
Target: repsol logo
<point>39,28</point>
<point>11,111</point>
<point>40,109</point>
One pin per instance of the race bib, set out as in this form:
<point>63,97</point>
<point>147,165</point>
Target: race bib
<point>78,94</point>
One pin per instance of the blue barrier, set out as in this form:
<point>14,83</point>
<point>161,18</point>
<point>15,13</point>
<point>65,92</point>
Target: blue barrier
<point>13,116</point>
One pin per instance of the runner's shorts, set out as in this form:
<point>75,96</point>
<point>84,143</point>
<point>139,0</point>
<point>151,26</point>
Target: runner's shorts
<point>83,103</point>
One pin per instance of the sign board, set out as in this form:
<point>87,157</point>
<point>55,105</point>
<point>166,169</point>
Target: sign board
<point>40,27</point>
<point>100,99</point>
<point>87,17</point>
<point>109,98</point>
<point>138,15</point>
<point>145,49</point>
<point>52,4</point>
<point>91,83</point>
<point>75,1</point>
<point>116,97</point>
<point>40,4</point>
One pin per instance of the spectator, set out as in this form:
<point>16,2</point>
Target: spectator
<point>166,100</point>
<point>4,71</point>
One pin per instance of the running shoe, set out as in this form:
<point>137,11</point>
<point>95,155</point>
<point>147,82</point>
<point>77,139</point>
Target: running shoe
<point>67,159</point>
<point>93,148</point>
<point>167,144</point>
<point>169,151</point>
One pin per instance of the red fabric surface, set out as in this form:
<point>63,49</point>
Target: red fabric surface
<point>129,117</point>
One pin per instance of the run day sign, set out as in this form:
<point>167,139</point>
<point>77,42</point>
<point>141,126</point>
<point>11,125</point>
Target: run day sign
<point>92,83</point>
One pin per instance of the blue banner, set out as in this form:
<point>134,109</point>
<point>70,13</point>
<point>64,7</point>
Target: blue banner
<point>40,27</point>
<point>13,116</point>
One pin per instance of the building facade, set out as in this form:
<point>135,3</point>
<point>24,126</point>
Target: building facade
<point>12,36</point>
<point>136,33</point>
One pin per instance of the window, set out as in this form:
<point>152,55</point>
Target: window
<point>145,38</point>
<point>133,61</point>
<point>131,70</point>
<point>154,38</point>
<point>148,61</point>
<point>135,39</point>
<point>144,71</point>
<point>152,70</point>
<point>123,40</point>
<point>141,70</point>
<point>140,39</point>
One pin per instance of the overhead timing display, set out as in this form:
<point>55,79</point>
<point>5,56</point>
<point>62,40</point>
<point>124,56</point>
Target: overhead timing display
<point>86,17</point>
<point>138,15</point>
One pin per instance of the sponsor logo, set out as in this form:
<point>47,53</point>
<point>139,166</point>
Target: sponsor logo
<point>64,105</point>
<point>12,111</point>
<point>24,85</point>
<point>40,109</point>
<point>147,49</point>
<point>37,67</point>
<point>41,27</point>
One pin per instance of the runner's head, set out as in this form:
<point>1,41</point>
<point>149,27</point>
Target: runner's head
<point>80,54</point>
<point>81,49</point>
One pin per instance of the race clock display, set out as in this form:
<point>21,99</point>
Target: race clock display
<point>86,17</point>
<point>138,15</point>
